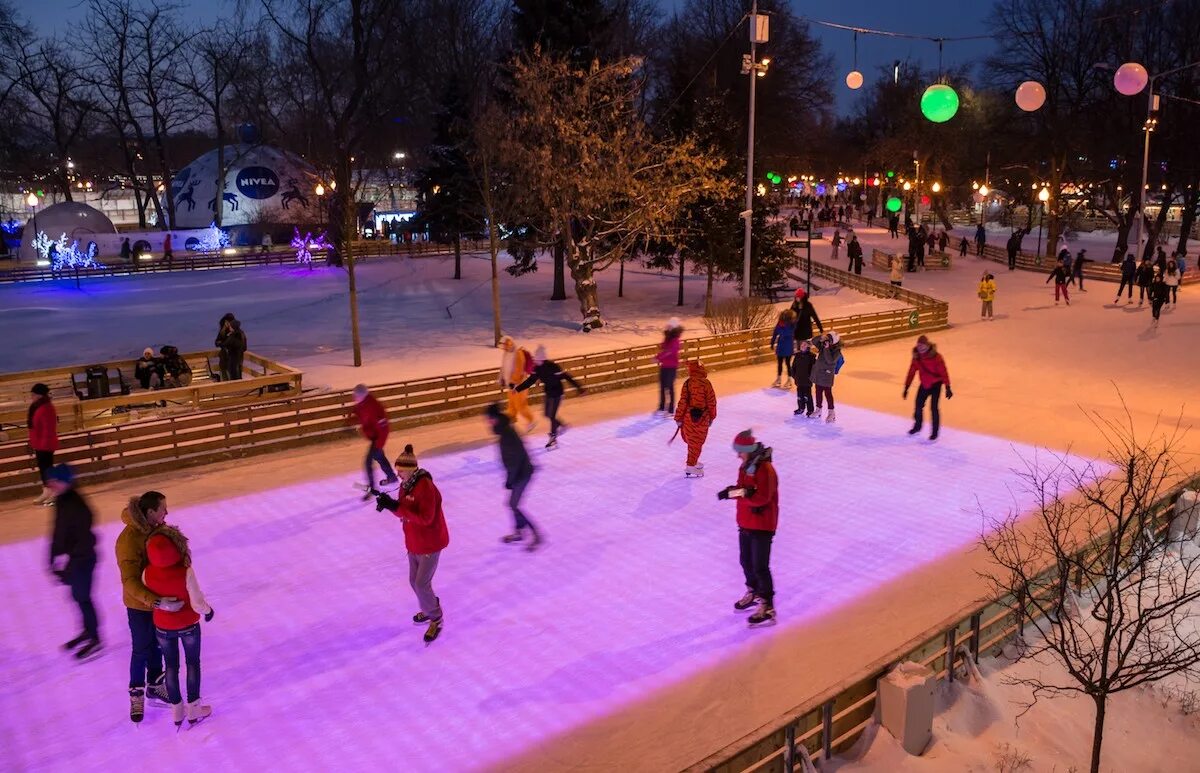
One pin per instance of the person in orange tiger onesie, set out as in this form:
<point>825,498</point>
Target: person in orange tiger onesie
<point>515,367</point>
<point>694,414</point>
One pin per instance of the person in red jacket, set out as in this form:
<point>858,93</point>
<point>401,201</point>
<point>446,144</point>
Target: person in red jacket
<point>42,421</point>
<point>373,423</point>
<point>929,364</point>
<point>757,495</point>
<point>419,508</point>
<point>170,574</point>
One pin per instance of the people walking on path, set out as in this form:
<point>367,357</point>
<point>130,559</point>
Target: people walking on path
<point>696,412</point>
<point>418,505</point>
<point>963,246</point>
<point>518,471</point>
<point>169,572</point>
<point>1128,278</point>
<point>1014,247</point>
<point>980,238</point>
<point>146,677</point>
<point>943,240</point>
<point>757,496</point>
<point>806,316</point>
<point>667,358</point>
<point>933,376</point>
<point>802,366</point>
<point>854,251</point>
<point>515,366</point>
<point>373,424</point>
<point>1172,279</point>
<point>987,294</point>
<point>783,343</point>
<point>828,348</point>
<point>551,375</point>
<point>73,554</point>
<point>1144,276</point>
<point>1059,275</point>
<point>42,421</point>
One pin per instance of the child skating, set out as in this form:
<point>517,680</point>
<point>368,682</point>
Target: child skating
<point>1060,275</point>
<point>802,365</point>
<point>695,413</point>
<point>829,350</point>
<point>987,294</point>
<point>783,343</point>
<point>757,495</point>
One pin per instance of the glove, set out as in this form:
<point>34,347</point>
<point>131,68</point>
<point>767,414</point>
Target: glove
<point>949,393</point>
<point>749,491</point>
<point>61,574</point>
<point>382,501</point>
<point>905,393</point>
<point>679,424</point>
<point>209,616</point>
<point>168,604</point>
<point>724,493</point>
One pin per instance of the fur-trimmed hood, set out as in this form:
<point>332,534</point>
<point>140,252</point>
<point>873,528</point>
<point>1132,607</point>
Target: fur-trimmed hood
<point>133,516</point>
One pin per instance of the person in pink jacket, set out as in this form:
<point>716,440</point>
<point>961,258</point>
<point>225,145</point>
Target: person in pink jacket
<point>668,364</point>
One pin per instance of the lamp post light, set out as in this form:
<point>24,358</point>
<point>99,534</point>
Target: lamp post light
<point>759,33</point>
<point>1043,197</point>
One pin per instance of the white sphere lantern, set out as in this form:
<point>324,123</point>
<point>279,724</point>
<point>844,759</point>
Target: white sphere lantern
<point>854,80</point>
<point>1031,95</point>
<point>1130,78</point>
<point>31,199</point>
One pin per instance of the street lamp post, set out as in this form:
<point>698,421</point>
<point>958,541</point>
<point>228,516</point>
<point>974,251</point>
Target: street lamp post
<point>1043,197</point>
<point>751,66</point>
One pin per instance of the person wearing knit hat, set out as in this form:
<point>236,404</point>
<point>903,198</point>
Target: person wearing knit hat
<point>828,348</point>
<point>667,358</point>
<point>516,363</point>
<point>929,364</point>
<point>148,370</point>
<point>418,505</point>
<point>551,375</point>
<point>518,470</point>
<point>805,316</point>
<point>42,421</point>
<point>73,553</point>
<point>757,495</point>
<point>696,412</point>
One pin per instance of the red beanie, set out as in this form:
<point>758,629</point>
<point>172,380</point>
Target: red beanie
<point>800,293</point>
<point>745,443</point>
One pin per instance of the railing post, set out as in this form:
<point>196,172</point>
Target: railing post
<point>827,729</point>
<point>975,636</point>
<point>951,643</point>
<point>789,749</point>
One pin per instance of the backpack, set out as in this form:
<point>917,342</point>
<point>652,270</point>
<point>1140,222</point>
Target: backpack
<point>837,366</point>
<point>528,361</point>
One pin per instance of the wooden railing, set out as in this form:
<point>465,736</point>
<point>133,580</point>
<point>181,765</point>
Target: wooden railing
<point>1095,270</point>
<point>149,446</point>
<point>833,720</point>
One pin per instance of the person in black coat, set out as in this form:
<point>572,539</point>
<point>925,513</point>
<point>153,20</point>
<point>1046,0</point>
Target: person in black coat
<point>1077,269</point>
<point>1144,275</point>
<point>232,344</point>
<point>1128,271</point>
<point>73,553</point>
<point>518,470</point>
<point>805,315</point>
<point>854,251</point>
<point>551,375</point>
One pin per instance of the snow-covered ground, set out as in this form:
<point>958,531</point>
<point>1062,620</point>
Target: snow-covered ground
<point>301,317</point>
<point>312,663</point>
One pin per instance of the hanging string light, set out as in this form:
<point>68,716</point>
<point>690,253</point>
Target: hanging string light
<point>854,79</point>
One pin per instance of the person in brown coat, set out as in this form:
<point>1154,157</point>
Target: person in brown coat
<point>695,413</point>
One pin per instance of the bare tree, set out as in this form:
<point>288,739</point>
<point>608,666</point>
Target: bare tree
<point>60,110</point>
<point>1113,598</point>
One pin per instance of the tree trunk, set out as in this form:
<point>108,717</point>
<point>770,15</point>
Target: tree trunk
<point>1190,201</point>
<point>679,302</point>
<point>708,304</point>
<point>458,256</point>
<point>489,210</point>
<point>1098,734</point>
<point>559,293</point>
<point>621,279</point>
<point>349,217</point>
<point>1156,227</point>
<point>585,288</point>
<point>1124,222</point>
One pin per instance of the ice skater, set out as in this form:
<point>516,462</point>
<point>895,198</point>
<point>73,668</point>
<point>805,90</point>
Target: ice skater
<point>757,495</point>
<point>141,516</point>
<point>551,375</point>
<point>896,274</point>
<point>42,422</point>
<point>373,423</point>
<point>987,294</point>
<point>515,366</point>
<point>854,251</point>
<point>1172,279</point>
<point>518,471</point>
<point>783,342</point>
<point>1144,276</point>
<point>1059,275</point>
<point>828,362</point>
<point>1077,269</point>
<point>73,554</point>
<point>419,508</point>
<point>667,358</point>
<point>934,376</point>
<point>802,365</point>
<point>1159,294</point>
<point>696,412</point>
<point>806,316</point>
<point>170,573</point>
<point>1128,273</point>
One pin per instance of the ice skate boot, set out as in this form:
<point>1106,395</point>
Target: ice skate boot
<point>831,417</point>
<point>391,482</point>
<point>763,616</point>
<point>137,704</point>
<point>47,497</point>
<point>552,444</point>
<point>178,713</point>
<point>933,435</point>
<point>916,428</point>
<point>788,384</point>
<point>815,414</point>
<point>431,633</point>
<point>197,712</point>
<point>700,465</point>
<point>89,651</point>
<point>535,541</point>
<point>156,691</point>
<point>747,601</point>
<point>693,472</point>
<point>516,536</point>
<point>421,618</point>
<point>775,383</point>
<point>798,412</point>
<point>80,639</point>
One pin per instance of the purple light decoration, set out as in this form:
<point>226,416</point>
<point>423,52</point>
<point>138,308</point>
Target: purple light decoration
<point>820,189</point>
<point>305,245</point>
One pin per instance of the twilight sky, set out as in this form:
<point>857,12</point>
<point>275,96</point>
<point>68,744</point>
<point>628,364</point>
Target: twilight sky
<point>935,18</point>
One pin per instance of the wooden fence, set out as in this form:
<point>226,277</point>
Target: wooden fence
<point>150,446</point>
<point>835,719</point>
<point>1095,270</point>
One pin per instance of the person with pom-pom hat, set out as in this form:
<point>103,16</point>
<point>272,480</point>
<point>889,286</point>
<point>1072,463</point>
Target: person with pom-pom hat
<point>757,495</point>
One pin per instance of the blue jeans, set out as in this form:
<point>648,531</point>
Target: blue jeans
<point>169,642</point>
<point>376,455</point>
<point>145,662</point>
<point>666,389</point>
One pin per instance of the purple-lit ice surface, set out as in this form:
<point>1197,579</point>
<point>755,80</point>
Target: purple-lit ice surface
<point>312,661</point>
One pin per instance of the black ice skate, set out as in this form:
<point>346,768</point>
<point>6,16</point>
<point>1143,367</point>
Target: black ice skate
<point>763,616</point>
<point>89,651</point>
<point>516,536</point>
<point>80,639</point>
<point>552,444</point>
<point>431,633</point>
<point>747,601</point>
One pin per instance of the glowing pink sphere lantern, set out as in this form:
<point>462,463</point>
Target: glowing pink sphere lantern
<point>1031,95</point>
<point>1130,78</point>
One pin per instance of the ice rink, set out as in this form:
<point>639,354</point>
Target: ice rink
<point>624,616</point>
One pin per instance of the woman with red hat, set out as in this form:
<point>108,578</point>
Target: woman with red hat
<point>757,495</point>
<point>806,316</point>
<point>929,364</point>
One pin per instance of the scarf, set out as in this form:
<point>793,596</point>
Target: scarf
<point>763,454</point>
<point>417,475</point>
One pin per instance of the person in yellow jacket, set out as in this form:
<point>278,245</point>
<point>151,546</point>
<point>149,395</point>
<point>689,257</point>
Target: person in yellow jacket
<point>515,366</point>
<point>146,676</point>
<point>987,294</point>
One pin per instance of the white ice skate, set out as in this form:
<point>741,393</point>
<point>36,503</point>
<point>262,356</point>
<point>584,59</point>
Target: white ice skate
<point>831,417</point>
<point>47,497</point>
<point>775,383</point>
<point>693,472</point>
<point>788,384</point>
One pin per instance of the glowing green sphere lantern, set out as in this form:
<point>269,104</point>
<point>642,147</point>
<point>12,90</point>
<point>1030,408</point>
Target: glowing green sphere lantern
<point>893,204</point>
<point>939,103</point>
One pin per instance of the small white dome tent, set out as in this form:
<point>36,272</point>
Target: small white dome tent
<point>78,221</point>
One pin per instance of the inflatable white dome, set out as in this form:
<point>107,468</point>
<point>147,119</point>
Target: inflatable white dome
<point>78,221</point>
<point>260,182</point>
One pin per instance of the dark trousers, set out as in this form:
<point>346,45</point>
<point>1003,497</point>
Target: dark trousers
<point>235,367</point>
<point>514,503</point>
<point>550,405</point>
<point>79,577</point>
<point>45,460</point>
<point>146,662</point>
<point>825,392</point>
<point>169,641</point>
<point>1174,294</point>
<point>755,549</point>
<point>666,389</point>
<point>1125,283</point>
<point>1143,290</point>
<point>783,365</point>
<point>933,394</point>
<point>1012,259</point>
<point>804,398</point>
<point>1156,308</point>
<point>1077,279</point>
<point>378,456</point>
<point>979,248</point>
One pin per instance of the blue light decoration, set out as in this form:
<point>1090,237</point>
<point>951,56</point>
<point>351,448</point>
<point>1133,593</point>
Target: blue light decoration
<point>213,240</point>
<point>305,245</point>
<point>65,255</point>
<point>841,187</point>
<point>820,189</point>
<point>10,226</point>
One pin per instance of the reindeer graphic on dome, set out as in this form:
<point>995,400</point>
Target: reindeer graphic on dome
<point>188,196</point>
<point>292,194</point>
<point>229,198</point>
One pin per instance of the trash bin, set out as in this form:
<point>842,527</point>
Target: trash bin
<point>905,698</point>
<point>97,382</point>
